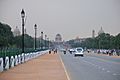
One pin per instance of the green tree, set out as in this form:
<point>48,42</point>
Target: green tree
<point>6,35</point>
<point>117,41</point>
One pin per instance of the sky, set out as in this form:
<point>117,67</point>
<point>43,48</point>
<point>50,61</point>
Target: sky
<point>70,18</point>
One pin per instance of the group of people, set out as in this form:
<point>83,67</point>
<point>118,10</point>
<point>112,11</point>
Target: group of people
<point>53,50</point>
<point>106,51</point>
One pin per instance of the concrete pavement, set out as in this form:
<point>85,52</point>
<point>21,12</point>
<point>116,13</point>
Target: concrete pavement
<point>45,67</point>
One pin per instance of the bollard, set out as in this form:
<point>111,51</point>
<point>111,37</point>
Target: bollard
<point>16,60</point>
<point>6,63</point>
<point>1,64</point>
<point>12,61</point>
<point>22,58</point>
<point>19,59</point>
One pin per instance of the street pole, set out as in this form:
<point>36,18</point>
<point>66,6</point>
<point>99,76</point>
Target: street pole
<point>48,43</point>
<point>41,40</point>
<point>45,41</point>
<point>23,16</point>
<point>35,26</point>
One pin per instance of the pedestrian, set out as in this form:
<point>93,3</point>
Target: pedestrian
<point>64,51</point>
<point>55,50</point>
<point>49,51</point>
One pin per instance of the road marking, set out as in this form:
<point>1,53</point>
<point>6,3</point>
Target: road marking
<point>103,69</point>
<point>104,60</point>
<point>64,68</point>
<point>108,71</point>
<point>114,74</point>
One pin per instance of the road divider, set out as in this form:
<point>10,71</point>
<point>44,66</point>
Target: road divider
<point>1,64</point>
<point>6,63</point>
<point>13,61</point>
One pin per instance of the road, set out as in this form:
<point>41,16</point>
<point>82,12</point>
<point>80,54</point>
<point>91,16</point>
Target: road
<point>91,67</point>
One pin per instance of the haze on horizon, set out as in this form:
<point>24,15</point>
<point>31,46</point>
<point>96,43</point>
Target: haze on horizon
<point>70,18</point>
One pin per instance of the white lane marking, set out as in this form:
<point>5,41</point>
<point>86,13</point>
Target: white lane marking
<point>108,71</point>
<point>114,74</point>
<point>99,67</point>
<point>64,68</point>
<point>103,69</point>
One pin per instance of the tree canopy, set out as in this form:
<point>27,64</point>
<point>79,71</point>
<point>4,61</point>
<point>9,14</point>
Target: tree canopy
<point>102,41</point>
<point>6,35</point>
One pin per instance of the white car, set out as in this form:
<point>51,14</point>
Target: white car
<point>79,52</point>
<point>71,51</point>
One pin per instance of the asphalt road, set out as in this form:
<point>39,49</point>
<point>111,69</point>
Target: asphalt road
<point>91,67</point>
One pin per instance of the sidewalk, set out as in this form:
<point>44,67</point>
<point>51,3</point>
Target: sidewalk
<point>100,54</point>
<point>45,67</point>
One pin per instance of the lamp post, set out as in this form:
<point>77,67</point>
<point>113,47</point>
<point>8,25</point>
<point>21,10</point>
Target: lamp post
<point>45,40</point>
<point>48,43</point>
<point>41,39</point>
<point>23,23</point>
<point>35,26</point>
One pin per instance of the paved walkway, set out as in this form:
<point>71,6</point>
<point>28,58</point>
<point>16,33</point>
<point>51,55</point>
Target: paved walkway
<point>101,54</point>
<point>45,67</point>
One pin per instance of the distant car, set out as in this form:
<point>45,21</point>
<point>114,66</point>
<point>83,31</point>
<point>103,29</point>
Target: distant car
<point>71,51</point>
<point>79,52</point>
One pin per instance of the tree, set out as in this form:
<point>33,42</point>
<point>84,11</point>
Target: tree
<point>28,41</point>
<point>102,41</point>
<point>6,35</point>
<point>117,41</point>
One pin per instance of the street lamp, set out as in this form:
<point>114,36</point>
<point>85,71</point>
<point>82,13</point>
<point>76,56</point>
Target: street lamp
<point>23,23</point>
<point>48,43</point>
<point>45,40</point>
<point>35,26</point>
<point>41,39</point>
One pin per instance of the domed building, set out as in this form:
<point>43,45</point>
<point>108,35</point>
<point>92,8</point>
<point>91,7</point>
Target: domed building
<point>101,31</point>
<point>16,32</point>
<point>58,38</point>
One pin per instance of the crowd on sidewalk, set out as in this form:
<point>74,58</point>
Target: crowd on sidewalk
<point>52,50</point>
<point>109,52</point>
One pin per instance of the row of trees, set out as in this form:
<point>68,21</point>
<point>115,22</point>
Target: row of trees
<point>102,41</point>
<point>8,40</point>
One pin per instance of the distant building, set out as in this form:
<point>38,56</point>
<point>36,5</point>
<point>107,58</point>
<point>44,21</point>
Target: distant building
<point>100,31</point>
<point>16,32</point>
<point>93,33</point>
<point>58,38</point>
<point>78,40</point>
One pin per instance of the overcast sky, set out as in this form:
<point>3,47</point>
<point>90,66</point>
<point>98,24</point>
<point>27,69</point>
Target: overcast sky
<point>70,18</point>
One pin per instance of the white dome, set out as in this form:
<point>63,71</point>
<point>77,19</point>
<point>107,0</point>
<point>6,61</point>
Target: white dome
<point>58,38</point>
<point>101,31</point>
<point>16,31</point>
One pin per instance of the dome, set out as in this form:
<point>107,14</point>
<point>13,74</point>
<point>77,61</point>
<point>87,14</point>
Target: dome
<point>58,38</point>
<point>16,31</point>
<point>58,35</point>
<point>101,31</point>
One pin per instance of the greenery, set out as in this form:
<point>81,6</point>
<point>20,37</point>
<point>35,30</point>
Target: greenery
<point>10,45</point>
<point>6,35</point>
<point>102,41</point>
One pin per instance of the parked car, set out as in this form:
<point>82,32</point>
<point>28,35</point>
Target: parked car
<point>79,52</point>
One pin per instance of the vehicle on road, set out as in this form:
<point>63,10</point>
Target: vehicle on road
<point>79,52</point>
<point>71,51</point>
